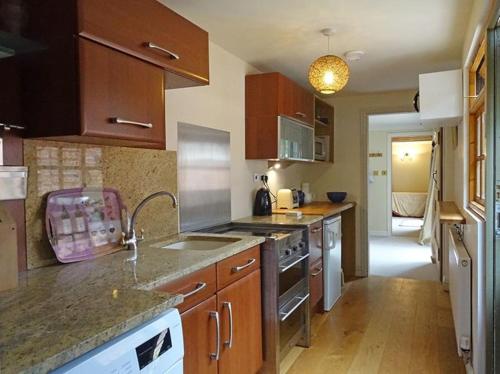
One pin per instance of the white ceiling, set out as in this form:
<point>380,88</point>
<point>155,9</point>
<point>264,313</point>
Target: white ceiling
<point>401,122</point>
<point>401,38</point>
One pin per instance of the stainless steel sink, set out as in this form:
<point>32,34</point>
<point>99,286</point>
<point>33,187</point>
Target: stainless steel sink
<point>200,243</point>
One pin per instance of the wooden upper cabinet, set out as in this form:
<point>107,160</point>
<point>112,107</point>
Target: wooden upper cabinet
<point>273,94</point>
<point>150,31</point>
<point>115,107</point>
<point>268,96</point>
<point>101,75</point>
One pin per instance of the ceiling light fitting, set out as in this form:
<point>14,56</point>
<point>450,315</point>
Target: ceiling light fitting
<point>354,55</point>
<point>329,73</point>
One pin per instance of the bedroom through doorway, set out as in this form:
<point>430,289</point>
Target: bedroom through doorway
<point>399,173</point>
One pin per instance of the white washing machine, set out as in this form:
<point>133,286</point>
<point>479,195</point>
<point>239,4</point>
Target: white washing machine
<point>156,347</point>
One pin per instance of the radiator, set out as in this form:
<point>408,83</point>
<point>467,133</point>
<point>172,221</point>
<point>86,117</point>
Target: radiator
<point>460,290</point>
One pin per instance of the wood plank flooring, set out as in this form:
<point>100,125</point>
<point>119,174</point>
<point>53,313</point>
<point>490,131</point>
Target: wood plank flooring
<point>382,325</point>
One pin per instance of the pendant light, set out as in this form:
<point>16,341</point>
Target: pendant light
<point>328,74</point>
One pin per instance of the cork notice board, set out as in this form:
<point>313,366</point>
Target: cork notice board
<point>134,172</point>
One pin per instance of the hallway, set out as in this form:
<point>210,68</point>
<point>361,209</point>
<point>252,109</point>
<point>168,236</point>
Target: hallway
<point>382,325</point>
<point>400,255</point>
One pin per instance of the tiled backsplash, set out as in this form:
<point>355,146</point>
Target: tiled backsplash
<point>134,172</point>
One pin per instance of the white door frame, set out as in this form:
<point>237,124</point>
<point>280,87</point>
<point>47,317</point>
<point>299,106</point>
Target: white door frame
<point>390,136</point>
<point>362,263</point>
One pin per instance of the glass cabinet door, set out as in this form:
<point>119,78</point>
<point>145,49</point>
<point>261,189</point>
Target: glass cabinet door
<point>296,140</point>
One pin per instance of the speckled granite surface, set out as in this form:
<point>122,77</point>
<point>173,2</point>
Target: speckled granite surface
<point>63,311</point>
<point>71,165</point>
<point>281,219</point>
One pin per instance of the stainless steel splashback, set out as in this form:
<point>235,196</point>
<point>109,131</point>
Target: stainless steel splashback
<point>204,176</point>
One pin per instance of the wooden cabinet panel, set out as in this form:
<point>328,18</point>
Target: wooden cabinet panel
<point>199,331</point>
<point>268,96</point>
<point>236,267</point>
<point>129,25</point>
<point>315,241</point>
<point>315,283</point>
<point>114,85</point>
<point>245,354</point>
<point>295,101</point>
<point>203,280</point>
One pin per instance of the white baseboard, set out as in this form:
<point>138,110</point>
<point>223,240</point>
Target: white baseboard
<point>378,233</point>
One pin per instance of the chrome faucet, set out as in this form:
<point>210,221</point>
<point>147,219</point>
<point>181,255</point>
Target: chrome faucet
<point>130,239</point>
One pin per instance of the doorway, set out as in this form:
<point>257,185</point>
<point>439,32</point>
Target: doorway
<point>398,181</point>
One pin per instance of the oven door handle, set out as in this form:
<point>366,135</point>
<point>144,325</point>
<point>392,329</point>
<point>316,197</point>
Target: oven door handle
<point>299,302</point>
<point>301,258</point>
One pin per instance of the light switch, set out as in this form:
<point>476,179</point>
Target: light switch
<point>375,172</point>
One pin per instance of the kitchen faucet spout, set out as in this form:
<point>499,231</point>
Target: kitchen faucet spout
<point>130,238</point>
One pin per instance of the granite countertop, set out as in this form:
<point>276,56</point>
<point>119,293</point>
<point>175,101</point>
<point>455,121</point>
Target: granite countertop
<point>63,311</point>
<point>322,208</point>
<point>281,219</point>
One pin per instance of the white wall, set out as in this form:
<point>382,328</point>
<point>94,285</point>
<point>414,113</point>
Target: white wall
<point>377,186</point>
<point>220,105</point>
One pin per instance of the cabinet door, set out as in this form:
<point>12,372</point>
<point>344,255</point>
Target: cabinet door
<point>116,86</point>
<point>130,25</point>
<point>241,301</point>
<point>199,331</point>
<point>315,241</point>
<point>316,282</point>
<point>303,105</point>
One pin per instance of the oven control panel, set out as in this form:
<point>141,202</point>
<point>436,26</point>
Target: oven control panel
<point>294,245</point>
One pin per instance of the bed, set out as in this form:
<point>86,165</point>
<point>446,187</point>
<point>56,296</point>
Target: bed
<point>408,204</point>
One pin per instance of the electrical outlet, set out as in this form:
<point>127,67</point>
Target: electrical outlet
<point>256,177</point>
<point>383,172</point>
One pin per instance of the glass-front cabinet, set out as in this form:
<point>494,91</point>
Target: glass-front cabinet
<point>295,140</point>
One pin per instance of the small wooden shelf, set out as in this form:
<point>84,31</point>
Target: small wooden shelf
<point>321,123</point>
<point>450,214</point>
<point>321,128</point>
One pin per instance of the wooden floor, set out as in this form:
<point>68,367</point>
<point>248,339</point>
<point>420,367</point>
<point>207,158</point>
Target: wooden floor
<point>382,325</point>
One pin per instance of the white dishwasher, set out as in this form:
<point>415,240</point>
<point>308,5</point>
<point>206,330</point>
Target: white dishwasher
<point>155,347</point>
<point>332,261</point>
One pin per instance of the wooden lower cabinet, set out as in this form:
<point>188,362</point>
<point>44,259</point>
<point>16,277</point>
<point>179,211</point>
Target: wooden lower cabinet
<point>199,331</point>
<point>237,306</point>
<point>244,298</point>
<point>315,284</point>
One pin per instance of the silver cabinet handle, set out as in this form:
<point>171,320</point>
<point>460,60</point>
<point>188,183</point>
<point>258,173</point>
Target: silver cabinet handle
<point>317,273</point>
<point>229,343</point>
<point>122,121</point>
<point>300,114</point>
<point>172,55</point>
<point>286,267</point>
<point>198,288</point>
<point>316,230</point>
<point>237,269</point>
<point>297,302</point>
<point>8,127</point>
<point>216,354</point>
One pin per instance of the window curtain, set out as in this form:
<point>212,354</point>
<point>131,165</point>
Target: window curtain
<point>427,231</point>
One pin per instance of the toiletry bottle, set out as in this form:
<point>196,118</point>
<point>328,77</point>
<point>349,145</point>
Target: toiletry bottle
<point>79,220</point>
<point>67,227</point>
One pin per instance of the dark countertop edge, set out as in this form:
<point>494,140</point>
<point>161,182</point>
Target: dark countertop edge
<point>105,336</point>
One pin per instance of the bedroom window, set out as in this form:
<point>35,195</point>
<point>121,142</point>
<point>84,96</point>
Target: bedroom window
<point>477,130</point>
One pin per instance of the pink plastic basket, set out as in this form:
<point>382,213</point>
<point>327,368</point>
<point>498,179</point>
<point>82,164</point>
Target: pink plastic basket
<point>84,223</point>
